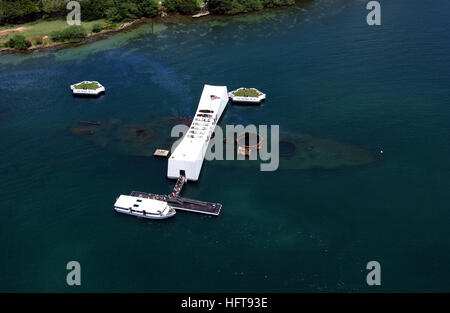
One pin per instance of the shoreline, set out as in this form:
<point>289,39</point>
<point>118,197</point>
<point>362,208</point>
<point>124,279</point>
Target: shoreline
<point>129,25</point>
<point>89,38</point>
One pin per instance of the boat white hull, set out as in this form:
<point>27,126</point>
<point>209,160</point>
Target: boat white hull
<point>148,216</point>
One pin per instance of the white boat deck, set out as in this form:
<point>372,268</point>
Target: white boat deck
<point>142,207</point>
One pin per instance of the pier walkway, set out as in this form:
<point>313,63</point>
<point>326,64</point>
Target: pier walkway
<point>184,204</point>
<point>178,186</point>
<point>180,203</point>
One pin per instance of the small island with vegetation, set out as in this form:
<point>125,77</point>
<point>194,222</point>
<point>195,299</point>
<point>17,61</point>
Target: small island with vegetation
<point>87,88</point>
<point>247,96</point>
<point>87,85</point>
<point>36,24</point>
<point>246,92</point>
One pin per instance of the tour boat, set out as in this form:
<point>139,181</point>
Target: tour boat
<point>143,207</point>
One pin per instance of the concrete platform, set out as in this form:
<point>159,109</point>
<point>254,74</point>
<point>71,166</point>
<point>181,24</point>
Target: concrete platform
<point>161,153</point>
<point>184,204</point>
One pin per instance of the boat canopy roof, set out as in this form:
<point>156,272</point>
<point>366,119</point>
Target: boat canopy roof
<point>140,204</point>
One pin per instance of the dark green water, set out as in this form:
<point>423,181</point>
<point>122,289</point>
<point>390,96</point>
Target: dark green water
<point>326,73</point>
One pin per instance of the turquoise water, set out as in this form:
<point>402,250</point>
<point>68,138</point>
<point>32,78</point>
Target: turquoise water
<point>326,74</point>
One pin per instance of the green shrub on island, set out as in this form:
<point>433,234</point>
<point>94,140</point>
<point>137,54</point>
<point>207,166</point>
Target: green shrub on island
<point>18,42</point>
<point>38,42</point>
<point>246,92</point>
<point>73,33</point>
<point>90,86</point>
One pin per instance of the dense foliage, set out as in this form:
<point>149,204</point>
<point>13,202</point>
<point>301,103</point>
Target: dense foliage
<point>20,11</point>
<point>72,34</point>
<point>246,92</point>
<point>242,6</point>
<point>119,10</point>
<point>18,42</point>
<point>90,86</point>
<point>182,6</point>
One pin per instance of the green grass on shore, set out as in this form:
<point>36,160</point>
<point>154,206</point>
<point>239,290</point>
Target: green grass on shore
<point>36,29</point>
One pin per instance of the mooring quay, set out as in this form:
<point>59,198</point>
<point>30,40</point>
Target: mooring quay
<point>178,203</point>
<point>184,204</point>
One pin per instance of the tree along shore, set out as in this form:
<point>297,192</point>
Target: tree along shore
<point>46,26</point>
<point>23,11</point>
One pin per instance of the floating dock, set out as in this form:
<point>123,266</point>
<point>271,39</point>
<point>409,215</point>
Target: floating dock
<point>179,203</point>
<point>184,204</point>
<point>161,153</point>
